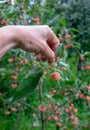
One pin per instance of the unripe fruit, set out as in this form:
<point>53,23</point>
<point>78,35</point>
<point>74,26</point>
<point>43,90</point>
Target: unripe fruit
<point>14,77</point>
<point>67,93</point>
<point>64,68</point>
<point>82,58</point>
<point>55,108</point>
<point>12,60</point>
<point>17,69</point>
<point>68,36</point>
<point>53,92</point>
<point>88,87</point>
<point>58,113</point>
<point>46,73</point>
<point>75,110</point>
<point>87,98</point>
<point>42,108</point>
<point>65,47</point>
<point>81,96</point>
<point>55,76</point>
<point>62,40</point>
<point>35,19</point>
<point>56,59</point>
<point>23,11</point>
<point>24,61</point>
<point>53,117</point>
<point>7,113</point>
<point>43,58</point>
<point>1,22</point>
<point>14,109</point>
<point>71,105</point>
<point>6,22</point>
<point>0,94</point>
<point>8,3</point>
<point>50,107</point>
<point>75,123</point>
<point>70,44</point>
<point>59,124</point>
<point>21,17</point>
<point>61,92</point>
<point>87,67</point>
<point>38,57</point>
<point>67,110</point>
<point>38,23</point>
<point>14,85</point>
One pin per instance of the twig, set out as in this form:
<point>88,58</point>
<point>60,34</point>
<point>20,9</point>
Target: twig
<point>44,7</point>
<point>41,100</point>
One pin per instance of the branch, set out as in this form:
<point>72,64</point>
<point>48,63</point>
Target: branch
<point>41,100</point>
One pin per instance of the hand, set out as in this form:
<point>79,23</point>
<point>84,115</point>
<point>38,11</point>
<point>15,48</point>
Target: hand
<point>38,39</point>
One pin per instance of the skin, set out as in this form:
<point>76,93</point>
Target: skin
<point>38,39</point>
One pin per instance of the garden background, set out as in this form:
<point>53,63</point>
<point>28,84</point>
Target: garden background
<point>30,98</point>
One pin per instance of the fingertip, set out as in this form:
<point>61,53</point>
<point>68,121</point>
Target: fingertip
<point>54,47</point>
<point>51,59</point>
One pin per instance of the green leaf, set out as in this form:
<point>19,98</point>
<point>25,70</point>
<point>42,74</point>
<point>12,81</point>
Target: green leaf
<point>77,45</point>
<point>2,69</point>
<point>64,64</point>
<point>69,82</point>
<point>28,85</point>
<point>63,22</point>
<point>59,50</point>
<point>74,29</point>
<point>57,96</point>
<point>86,54</point>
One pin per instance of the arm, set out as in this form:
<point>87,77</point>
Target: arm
<point>38,39</point>
<point>6,41</point>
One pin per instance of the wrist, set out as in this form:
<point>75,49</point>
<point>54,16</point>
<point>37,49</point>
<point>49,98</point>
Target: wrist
<point>6,40</point>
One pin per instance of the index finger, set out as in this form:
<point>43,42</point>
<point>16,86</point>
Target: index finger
<point>52,40</point>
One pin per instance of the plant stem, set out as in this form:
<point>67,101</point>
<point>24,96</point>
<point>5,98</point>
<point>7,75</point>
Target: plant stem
<point>18,116</point>
<point>41,100</point>
<point>57,127</point>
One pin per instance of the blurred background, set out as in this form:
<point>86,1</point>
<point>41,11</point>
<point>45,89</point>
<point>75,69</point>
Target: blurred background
<point>45,104</point>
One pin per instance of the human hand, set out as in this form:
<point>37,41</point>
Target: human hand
<point>38,39</point>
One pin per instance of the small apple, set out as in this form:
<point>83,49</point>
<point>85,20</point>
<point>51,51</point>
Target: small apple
<point>55,76</point>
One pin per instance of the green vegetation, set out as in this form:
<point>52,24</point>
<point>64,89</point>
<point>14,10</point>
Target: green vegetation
<point>45,103</point>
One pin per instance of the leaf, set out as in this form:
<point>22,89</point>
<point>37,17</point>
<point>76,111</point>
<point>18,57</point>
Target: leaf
<point>57,96</point>
<point>86,54</point>
<point>59,50</point>
<point>70,82</point>
<point>77,45</point>
<point>63,22</point>
<point>2,69</point>
<point>64,64</point>
<point>74,29</point>
<point>28,85</point>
